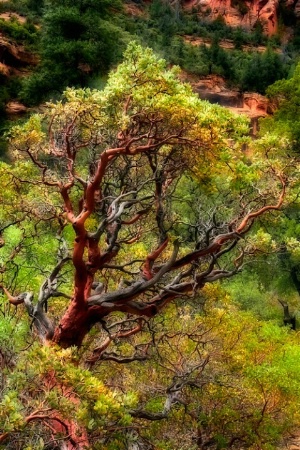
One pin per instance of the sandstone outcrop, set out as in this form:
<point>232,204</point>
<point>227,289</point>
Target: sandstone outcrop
<point>13,58</point>
<point>15,108</point>
<point>226,44</point>
<point>214,89</point>
<point>243,13</point>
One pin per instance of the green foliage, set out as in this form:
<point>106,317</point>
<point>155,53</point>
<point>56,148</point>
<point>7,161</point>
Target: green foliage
<point>261,288</point>
<point>25,33</point>
<point>78,42</point>
<point>30,8</point>
<point>250,71</point>
<point>34,388</point>
<point>240,381</point>
<point>263,70</point>
<point>285,95</point>
<point>165,20</point>
<point>234,374</point>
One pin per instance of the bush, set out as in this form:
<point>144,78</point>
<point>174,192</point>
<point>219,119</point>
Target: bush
<point>21,33</point>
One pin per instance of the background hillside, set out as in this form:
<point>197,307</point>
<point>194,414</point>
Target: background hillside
<point>46,46</point>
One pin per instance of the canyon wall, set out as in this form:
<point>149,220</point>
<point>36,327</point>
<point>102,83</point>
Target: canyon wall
<point>244,13</point>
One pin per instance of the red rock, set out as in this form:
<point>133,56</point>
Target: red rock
<point>15,108</point>
<point>240,13</point>
<point>14,58</point>
<point>213,88</point>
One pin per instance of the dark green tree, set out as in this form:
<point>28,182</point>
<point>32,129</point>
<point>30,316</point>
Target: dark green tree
<point>262,70</point>
<point>78,41</point>
<point>165,19</point>
<point>285,95</point>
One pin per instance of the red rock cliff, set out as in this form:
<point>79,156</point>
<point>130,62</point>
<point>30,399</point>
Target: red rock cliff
<point>244,13</point>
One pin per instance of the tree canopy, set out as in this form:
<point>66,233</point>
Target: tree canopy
<point>77,42</point>
<point>116,159</point>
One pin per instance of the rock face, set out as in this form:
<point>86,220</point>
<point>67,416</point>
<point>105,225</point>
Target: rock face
<point>213,88</point>
<point>13,58</point>
<point>226,44</point>
<point>15,108</point>
<point>244,13</point>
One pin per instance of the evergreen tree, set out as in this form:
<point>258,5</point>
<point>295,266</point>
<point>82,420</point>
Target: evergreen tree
<point>78,41</point>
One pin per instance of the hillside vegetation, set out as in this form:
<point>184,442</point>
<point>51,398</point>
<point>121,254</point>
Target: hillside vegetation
<point>77,42</point>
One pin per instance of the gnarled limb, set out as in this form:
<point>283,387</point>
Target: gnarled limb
<point>147,269</point>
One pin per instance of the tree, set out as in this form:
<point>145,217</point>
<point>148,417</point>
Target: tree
<point>121,155</point>
<point>165,18</point>
<point>78,42</point>
<point>262,70</point>
<point>151,184</point>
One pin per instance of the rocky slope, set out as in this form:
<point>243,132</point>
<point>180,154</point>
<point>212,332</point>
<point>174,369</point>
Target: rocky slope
<point>14,58</point>
<point>244,13</point>
<point>214,89</point>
